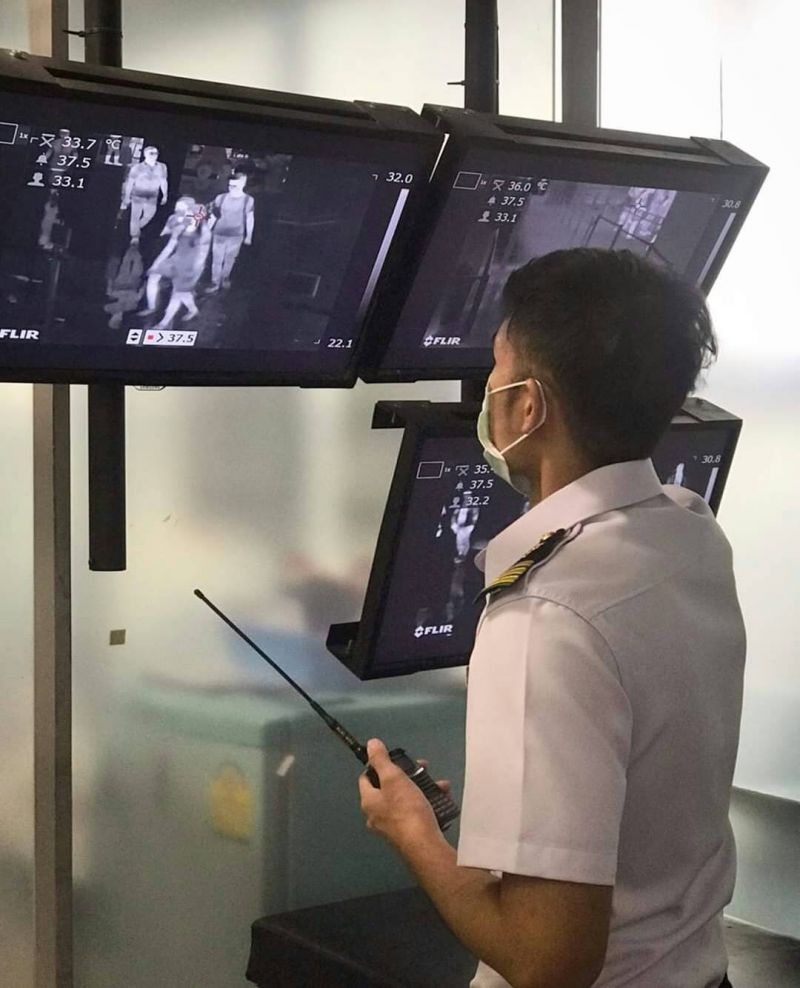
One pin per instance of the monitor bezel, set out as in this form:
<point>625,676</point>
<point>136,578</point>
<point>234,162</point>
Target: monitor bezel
<point>352,642</point>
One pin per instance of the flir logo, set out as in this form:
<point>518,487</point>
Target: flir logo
<point>19,334</point>
<point>442,341</point>
<point>433,629</point>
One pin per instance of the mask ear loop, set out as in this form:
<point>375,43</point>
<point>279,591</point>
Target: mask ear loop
<point>504,387</point>
<point>517,384</point>
<point>542,420</point>
<point>538,425</point>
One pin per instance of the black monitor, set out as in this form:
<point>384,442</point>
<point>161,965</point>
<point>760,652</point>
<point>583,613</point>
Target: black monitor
<point>444,506</point>
<point>165,231</point>
<point>507,190</point>
<point>697,450</point>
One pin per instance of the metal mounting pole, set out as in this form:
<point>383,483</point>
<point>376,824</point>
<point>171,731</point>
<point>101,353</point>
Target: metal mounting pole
<point>106,441</point>
<point>52,688</point>
<point>102,31</point>
<point>580,62</point>
<point>52,635</point>
<point>481,91</point>
<point>481,56</point>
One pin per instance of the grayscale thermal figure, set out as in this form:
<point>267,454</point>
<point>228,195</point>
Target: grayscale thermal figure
<point>182,262</point>
<point>676,477</point>
<point>145,181</point>
<point>159,269</point>
<point>233,225</point>
<point>462,525</point>
<point>124,285</point>
<point>50,218</point>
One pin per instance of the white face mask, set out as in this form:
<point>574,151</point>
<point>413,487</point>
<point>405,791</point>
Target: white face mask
<point>496,457</point>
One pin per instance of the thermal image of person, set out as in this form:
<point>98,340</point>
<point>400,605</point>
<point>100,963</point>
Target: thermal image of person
<point>177,219</point>
<point>233,225</point>
<point>676,477</point>
<point>182,262</point>
<point>123,285</point>
<point>175,225</point>
<point>50,217</point>
<point>462,525</point>
<point>145,181</point>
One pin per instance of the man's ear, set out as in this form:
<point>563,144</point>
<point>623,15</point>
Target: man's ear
<point>535,406</point>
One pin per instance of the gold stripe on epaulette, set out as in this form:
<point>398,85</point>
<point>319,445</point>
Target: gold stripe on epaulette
<point>546,545</point>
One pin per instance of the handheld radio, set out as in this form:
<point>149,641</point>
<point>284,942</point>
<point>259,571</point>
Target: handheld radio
<point>443,806</point>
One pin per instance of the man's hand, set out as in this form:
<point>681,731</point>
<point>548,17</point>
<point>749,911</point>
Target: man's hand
<point>398,810</point>
<point>532,931</point>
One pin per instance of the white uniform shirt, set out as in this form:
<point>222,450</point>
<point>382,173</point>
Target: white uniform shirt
<point>603,716</point>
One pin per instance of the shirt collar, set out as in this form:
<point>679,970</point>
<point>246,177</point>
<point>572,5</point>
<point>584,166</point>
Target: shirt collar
<point>605,489</point>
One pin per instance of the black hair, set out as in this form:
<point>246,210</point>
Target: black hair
<point>620,340</point>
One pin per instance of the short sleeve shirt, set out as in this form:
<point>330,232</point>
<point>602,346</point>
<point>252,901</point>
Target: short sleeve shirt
<point>603,715</point>
<point>146,179</point>
<point>232,212</point>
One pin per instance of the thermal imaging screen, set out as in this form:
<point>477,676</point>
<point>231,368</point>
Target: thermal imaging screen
<point>154,239</point>
<point>456,505</point>
<point>693,458</point>
<point>493,221</point>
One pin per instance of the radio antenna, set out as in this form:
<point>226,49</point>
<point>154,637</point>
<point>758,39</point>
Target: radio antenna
<point>358,749</point>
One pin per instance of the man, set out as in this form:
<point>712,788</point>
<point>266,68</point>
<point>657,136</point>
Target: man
<point>605,683</point>
<point>145,181</point>
<point>234,222</point>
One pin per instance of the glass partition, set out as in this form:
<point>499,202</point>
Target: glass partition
<point>14,25</point>
<point>724,70</point>
<point>16,685</point>
<point>16,650</point>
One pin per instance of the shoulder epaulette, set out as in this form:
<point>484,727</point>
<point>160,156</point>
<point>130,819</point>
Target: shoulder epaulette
<point>543,549</point>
